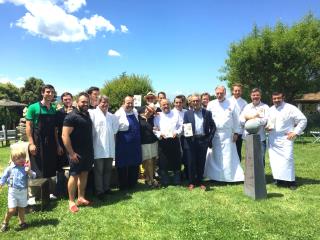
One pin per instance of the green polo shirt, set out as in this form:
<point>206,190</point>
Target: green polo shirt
<point>34,111</point>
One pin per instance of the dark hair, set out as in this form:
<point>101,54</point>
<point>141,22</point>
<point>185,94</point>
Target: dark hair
<point>66,94</point>
<point>182,97</point>
<point>46,86</point>
<point>82,94</point>
<point>278,93</point>
<point>163,93</point>
<point>91,89</point>
<point>237,85</point>
<point>205,94</point>
<point>256,90</point>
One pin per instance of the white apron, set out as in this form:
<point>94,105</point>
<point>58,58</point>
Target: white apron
<point>281,157</point>
<point>223,163</point>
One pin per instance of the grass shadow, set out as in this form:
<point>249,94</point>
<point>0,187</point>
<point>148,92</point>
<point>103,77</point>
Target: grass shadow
<point>299,180</point>
<point>43,222</point>
<point>274,195</point>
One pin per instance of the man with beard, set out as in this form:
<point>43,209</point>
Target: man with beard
<point>42,135</point>
<point>223,162</point>
<point>168,128</point>
<point>284,124</point>
<point>77,139</point>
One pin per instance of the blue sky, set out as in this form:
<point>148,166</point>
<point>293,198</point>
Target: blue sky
<point>179,44</point>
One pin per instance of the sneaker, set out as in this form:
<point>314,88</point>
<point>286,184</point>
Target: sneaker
<point>4,227</point>
<point>23,226</point>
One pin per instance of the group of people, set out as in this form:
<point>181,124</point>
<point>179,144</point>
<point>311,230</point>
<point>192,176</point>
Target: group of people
<point>194,138</point>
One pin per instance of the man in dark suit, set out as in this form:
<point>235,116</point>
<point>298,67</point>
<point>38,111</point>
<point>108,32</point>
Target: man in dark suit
<point>198,140</point>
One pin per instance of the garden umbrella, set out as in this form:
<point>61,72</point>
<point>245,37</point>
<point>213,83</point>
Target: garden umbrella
<point>6,103</point>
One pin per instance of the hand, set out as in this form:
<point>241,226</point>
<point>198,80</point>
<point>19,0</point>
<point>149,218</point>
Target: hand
<point>235,137</point>
<point>291,135</point>
<point>59,150</point>
<point>162,136</point>
<point>174,135</point>
<point>74,157</point>
<point>33,149</point>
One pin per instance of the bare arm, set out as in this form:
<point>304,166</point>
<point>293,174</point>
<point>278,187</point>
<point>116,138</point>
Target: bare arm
<point>32,146</point>
<point>66,131</point>
<point>59,148</point>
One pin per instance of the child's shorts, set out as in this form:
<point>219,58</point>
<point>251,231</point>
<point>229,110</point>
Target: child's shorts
<point>17,198</point>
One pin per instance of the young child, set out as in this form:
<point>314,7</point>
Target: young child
<point>16,176</point>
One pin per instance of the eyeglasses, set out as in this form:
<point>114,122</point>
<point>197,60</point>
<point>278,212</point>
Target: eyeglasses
<point>195,101</point>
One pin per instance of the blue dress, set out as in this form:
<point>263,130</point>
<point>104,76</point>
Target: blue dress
<point>128,145</point>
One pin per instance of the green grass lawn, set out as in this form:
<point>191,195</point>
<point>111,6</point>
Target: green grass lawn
<point>223,212</point>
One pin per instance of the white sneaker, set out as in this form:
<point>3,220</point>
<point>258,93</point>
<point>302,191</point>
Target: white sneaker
<point>52,196</point>
<point>32,201</point>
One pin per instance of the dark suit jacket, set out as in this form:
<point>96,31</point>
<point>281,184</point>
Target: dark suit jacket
<point>209,126</point>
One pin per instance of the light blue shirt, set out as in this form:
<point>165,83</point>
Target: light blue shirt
<point>198,118</point>
<point>16,177</point>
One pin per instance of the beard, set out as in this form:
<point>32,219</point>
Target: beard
<point>83,109</point>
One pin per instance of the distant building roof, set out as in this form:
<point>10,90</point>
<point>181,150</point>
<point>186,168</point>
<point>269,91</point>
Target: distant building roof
<point>309,98</point>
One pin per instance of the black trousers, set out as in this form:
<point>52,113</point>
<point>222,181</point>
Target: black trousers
<point>128,176</point>
<point>239,145</point>
<point>196,157</point>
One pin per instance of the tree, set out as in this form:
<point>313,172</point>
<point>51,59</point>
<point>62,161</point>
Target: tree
<point>9,91</point>
<point>31,92</point>
<point>282,58</point>
<point>9,117</point>
<point>119,87</point>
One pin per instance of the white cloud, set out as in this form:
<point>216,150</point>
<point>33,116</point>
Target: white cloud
<point>124,28</point>
<point>97,23</point>
<point>5,79</point>
<point>18,82</point>
<point>74,5</point>
<point>113,53</point>
<point>49,20</point>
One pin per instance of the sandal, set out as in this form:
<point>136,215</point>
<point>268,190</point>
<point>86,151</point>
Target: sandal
<point>73,208</point>
<point>4,227</point>
<point>83,202</point>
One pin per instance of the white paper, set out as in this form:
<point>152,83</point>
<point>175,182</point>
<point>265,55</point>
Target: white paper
<point>137,100</point>
<point>187,128</point>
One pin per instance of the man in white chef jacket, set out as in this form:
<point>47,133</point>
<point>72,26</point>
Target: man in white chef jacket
<point>284,124</point>
<point>240,103</point>
<point>259,111</point>
<point>222,163</point>
<point>104,127</point>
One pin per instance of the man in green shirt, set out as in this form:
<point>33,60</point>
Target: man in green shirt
<point>41,130</point>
